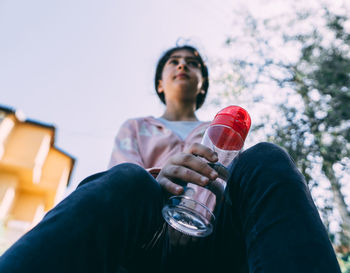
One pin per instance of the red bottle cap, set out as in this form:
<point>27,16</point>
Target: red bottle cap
<point>236,118</point>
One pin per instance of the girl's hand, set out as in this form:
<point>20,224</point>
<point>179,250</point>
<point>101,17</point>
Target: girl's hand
<point>190,166</point>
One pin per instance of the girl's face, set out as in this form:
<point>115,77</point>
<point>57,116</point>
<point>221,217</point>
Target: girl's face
<point>181,77</point>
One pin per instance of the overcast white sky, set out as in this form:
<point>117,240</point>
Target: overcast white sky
<point>86,66</point>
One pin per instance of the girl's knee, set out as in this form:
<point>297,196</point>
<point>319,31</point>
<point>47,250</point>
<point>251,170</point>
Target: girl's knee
<point>131,179</point>
<point>266,161</point>
<point>123,184</point>
<point>265,153</point>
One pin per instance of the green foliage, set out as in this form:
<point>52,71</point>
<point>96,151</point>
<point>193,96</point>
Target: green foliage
<point>313,124</point>
<point>344,262</point>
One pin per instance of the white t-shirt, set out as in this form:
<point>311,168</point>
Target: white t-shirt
<point>180,128</point>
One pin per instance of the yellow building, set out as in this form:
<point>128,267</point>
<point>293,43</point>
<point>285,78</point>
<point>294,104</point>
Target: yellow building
<point>33,174</point>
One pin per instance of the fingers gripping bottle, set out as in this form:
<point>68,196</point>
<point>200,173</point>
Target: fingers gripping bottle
<point>193,213</point>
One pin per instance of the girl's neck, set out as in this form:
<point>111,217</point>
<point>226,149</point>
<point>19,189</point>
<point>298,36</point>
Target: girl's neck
<point>177,113</point>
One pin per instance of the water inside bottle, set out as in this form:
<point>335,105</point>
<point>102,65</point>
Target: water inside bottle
<point>193,214</point>
<point>187,220</point>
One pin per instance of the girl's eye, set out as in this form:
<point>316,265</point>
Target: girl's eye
<point>194,63</point>
<point>173,61</point>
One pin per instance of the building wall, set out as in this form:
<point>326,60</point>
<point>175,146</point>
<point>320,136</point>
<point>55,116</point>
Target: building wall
<point>33,174</point>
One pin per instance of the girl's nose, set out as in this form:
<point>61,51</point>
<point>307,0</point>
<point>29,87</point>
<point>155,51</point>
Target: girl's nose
<point>182,64</point>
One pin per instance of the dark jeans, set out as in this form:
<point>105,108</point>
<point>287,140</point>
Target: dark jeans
<point>268,223</point>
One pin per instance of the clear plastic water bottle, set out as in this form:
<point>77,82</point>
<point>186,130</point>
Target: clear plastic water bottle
<point>193,213</point>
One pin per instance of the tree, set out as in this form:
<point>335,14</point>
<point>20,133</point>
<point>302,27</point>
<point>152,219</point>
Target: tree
<point>313,124</point>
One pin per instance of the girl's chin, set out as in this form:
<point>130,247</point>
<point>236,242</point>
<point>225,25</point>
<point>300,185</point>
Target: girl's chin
<point>186,86</point>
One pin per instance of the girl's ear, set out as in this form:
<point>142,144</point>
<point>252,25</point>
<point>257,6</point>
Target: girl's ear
<point>160,88</point>
<point>202,92</point>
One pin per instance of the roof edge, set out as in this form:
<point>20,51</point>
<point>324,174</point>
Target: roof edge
<point>73,159</point>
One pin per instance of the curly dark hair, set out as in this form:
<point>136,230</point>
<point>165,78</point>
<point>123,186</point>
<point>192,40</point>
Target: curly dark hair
<point>165,57</point>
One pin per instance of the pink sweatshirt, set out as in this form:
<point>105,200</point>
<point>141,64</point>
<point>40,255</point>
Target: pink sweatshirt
<point>149,143</point>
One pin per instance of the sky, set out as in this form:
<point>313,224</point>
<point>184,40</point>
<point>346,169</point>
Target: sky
<point>87,66</point>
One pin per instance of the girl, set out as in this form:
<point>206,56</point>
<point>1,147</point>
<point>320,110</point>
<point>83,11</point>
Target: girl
<point>113,221</point>
<point>181,82</point>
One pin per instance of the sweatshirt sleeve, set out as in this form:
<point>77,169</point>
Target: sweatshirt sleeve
<point>126,148</point>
